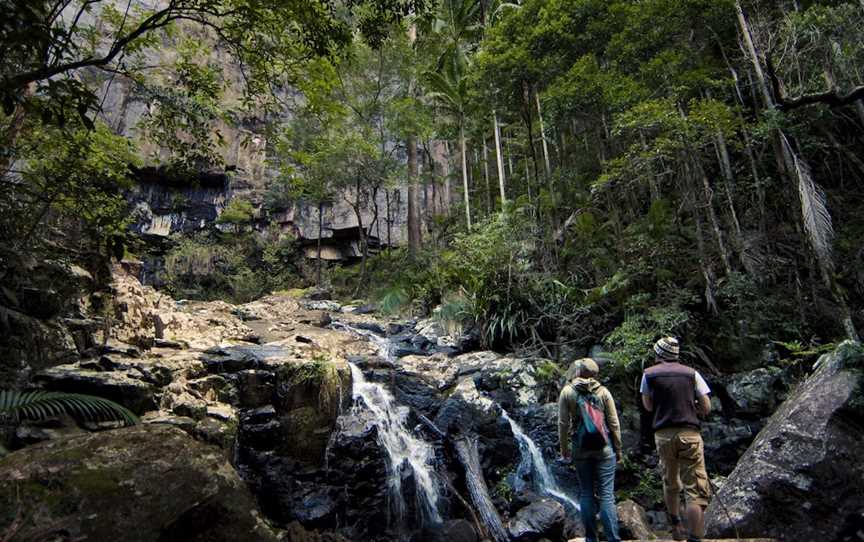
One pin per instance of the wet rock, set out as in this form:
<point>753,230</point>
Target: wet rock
<point>358,466</point>
<point>319,294</point>
<point>166,418</point>
<point>295,532</point>
<point>28,345</point>
<point>309,396</point>
<point>757,393</point>
<point>213,388</point>
<point>802,478</point>
<point>541,519</point>
<point>454,530</point>
<point>230,360</point>
<point>41,303</point>
<point>29,433</point>
<point>633,522</point>
<point>255,388</point>
<point>394,328</point>
<point>223,413</point>
<point>165,343</point>
<point>726,441</point>
<point>323,305</point>
<point>374,327</point>
<point>222,434</point>
<point>147,483</point>
<point>258,434</point>
<point>182,403</point>
<point>259,415</point>
<point>136,395</point>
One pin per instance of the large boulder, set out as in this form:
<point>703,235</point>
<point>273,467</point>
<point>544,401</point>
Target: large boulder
<point>757,393</point>
<point>133,393</point>
<point>139,484</point>
<point>543,518</point>
<point>803,479</point>
<point>633,522</point>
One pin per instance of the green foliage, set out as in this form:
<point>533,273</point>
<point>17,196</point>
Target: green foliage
<point>18,406</point>
<point>238,213</point>
<point>631,342</point>
<point>71,183</point>
<point>238,268</point>
<point>648,487</point>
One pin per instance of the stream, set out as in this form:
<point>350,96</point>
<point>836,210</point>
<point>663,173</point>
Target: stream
<point>408,453</point>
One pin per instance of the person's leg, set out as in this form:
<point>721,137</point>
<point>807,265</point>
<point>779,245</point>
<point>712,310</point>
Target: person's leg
<point>606,491</point>
<point>695,480</point>
<point>667,451</point>
<point>585,469</point>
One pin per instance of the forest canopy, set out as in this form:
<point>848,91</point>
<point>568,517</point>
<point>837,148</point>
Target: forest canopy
<point>625,168</point>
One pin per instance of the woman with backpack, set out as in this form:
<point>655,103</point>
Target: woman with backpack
<point>590,436</point>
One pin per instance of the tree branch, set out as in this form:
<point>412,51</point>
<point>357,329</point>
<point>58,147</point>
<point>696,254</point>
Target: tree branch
<point>831,98</point>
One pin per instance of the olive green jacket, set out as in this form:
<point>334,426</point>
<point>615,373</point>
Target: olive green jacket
<point>569,416</point>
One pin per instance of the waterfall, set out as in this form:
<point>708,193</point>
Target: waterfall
<point>404,451</point>
<point>532,461</point>
<point>382,344</point>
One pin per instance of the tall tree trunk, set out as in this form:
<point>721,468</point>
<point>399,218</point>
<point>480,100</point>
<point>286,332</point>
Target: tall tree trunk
<point>509,155</point>
<point>755,59</point>
<point>413,201</point>
<point>546,161</point>
<point>413,207</point>
<point>528,117</point>
<point>489,206</point>
<point>464,153</point>
<point>447,190</point>
<point>320,232</point>
<point>499,158</point>
<point>389,219</point>
<point>712,216</point>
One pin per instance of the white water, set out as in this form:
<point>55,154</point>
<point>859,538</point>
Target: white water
<point>382,344</point>
<point>404,451</point>
<point>533,462</point>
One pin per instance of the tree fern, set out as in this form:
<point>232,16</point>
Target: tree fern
<point>39,405</point>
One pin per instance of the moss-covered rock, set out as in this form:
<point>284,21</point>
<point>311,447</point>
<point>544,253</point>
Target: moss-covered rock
<point>309,397</point>
<point>138,484</point>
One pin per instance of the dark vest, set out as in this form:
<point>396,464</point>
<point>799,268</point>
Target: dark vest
<point>673,388</point>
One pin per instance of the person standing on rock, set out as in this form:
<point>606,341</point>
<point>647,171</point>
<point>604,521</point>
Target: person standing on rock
<point>590,435</point>
<point>677,395</point>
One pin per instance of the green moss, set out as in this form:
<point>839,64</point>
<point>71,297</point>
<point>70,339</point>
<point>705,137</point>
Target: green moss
<point>321,373</point>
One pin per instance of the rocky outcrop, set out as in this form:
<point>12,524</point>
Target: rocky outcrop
<point>633,522</point>
<point>542,519</point>
<point>802,479</point>
<point>147,483</point>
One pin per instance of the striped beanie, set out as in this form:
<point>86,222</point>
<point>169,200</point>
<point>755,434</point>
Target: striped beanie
<point>667,349</point>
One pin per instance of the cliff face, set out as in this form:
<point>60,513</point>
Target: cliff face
<point>164,205</point>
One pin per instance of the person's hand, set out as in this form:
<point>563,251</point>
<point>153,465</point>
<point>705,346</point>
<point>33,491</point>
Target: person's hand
<point>563,458</point>
<point>619,456</point>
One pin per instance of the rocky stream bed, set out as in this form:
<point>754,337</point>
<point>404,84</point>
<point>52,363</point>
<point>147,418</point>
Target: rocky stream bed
<point>300,419</point>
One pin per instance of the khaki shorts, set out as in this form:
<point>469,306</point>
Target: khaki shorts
<point>682,457</point>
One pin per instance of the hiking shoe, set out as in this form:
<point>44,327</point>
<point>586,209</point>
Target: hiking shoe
<point>679,532</point>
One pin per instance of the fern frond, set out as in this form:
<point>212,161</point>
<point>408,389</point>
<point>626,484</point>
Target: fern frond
<point>814,210</point>
<point>39,405</point>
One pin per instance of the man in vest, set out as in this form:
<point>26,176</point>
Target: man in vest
<point>677,395</point>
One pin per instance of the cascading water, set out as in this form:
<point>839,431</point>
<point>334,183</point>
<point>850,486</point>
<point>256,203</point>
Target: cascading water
<point>404,451</point>
<point>532,462</point>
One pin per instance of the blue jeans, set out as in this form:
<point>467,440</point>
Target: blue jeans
<point>597,476</point>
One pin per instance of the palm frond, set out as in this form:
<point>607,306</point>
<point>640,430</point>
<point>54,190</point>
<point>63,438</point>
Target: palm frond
<point>39,405</point>
<point>814,210</point>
